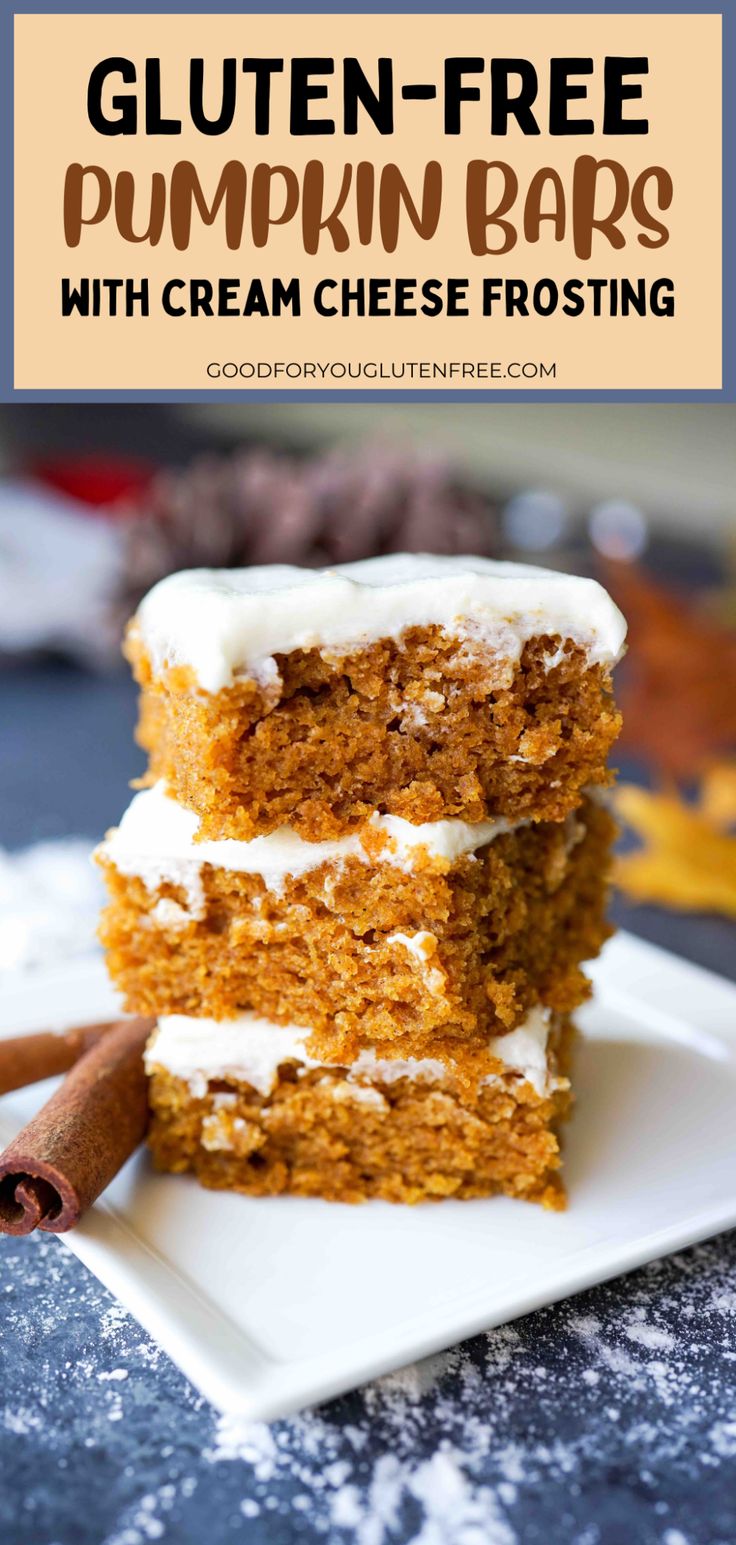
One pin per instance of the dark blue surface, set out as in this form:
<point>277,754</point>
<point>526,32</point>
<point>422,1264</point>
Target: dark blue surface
<point>67,752</point>
<point>607,1420</point>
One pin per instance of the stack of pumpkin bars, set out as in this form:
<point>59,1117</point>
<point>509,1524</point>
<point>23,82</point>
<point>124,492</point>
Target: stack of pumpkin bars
<point>367,865</point>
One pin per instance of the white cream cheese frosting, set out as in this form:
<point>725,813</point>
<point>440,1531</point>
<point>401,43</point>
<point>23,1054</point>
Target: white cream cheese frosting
<point>248,1048</point>
<point>251,1049</point>
<point>156,841</point>
<point>524,1050</point>
<point>229,622</point>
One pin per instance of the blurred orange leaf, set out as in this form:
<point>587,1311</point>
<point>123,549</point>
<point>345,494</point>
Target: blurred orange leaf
<point>678,684</point>
<point>685,862</point>
<point>718,795</point>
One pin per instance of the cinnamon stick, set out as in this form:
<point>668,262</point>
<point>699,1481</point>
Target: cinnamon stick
<point>26,1059</point>
<point>71,1150</point>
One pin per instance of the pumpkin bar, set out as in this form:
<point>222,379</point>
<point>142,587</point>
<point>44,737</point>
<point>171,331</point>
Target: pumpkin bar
<point>365,868</point>
<point>394,932</point>
<point>244,1106</point>
<point>428,688</point>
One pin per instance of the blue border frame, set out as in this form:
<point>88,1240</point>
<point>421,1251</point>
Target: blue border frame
<point>9,394</point>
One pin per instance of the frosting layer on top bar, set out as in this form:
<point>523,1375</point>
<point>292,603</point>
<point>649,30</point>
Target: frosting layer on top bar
<point>156,840</point>
<point>223,623</point>
<point>251,1049</point>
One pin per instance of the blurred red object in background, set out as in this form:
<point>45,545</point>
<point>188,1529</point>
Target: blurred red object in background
<point>108,485</point>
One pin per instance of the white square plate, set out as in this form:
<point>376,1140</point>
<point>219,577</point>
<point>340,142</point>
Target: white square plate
<point>269,1305</point>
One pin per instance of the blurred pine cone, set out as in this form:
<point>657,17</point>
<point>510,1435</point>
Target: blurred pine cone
<point>261,507</point>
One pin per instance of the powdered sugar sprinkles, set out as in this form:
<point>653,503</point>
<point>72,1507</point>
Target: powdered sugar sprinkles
<point>607,1418</point>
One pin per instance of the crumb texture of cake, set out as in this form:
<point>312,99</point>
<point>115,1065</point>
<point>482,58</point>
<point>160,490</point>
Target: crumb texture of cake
<point>425,688</point>
<point>245,1107</point>
<point>394,932</point>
